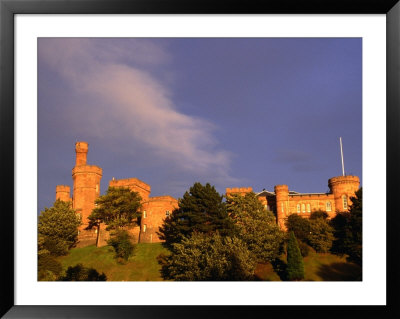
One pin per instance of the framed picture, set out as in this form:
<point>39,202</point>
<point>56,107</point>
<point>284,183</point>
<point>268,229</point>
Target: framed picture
<point>25,29</point>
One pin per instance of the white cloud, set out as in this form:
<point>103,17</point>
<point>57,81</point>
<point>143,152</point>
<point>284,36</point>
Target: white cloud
<point>139,106</point>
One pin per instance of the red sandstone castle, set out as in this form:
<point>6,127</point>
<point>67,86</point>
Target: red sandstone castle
<point>86,188</point>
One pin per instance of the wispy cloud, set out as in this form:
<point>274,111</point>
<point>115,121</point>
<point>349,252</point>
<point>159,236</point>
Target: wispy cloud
<point>133,102</point>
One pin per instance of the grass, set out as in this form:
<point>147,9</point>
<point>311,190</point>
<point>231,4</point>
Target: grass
<point>142,266</point>
<point>317,267</point>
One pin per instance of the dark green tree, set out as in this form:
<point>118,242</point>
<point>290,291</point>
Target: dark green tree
<point>58,228</point>
<point>299,225</point>
<point>321,235</point>
<point>319,214</point>
<point>295,264</point>
<point>348,231</point>
<point>209,257</point>
<point>81,273</point>
<point>118,208</point>
<point>200,210</point>
<point>255,226</point>
<point>122,244</point>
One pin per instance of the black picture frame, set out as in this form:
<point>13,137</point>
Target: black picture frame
<point>8,9</point>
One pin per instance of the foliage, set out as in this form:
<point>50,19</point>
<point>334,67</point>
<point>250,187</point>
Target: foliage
<point>81,273</point>
<point>295,264</point>
<point>121,242</point>
<point>321,235</point>
<point>209,257</point>
<point>299,225</point>
<point>58,228</point>
<point>304,248</point>
<point>255,226</point>
<point>118,208</point>
<point>319,214</point>
<point>49,269</point>
<point>348,230</point>
<point>200,210</point>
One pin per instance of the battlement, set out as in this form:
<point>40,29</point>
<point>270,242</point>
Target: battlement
<point>63,188</point>
<point>127,182</point>
<point>281,188</point>
<point>235,190</point>
<point>165,198</point>
<point>348,179</point>
<point>87,169</point>
<point>63,193</point>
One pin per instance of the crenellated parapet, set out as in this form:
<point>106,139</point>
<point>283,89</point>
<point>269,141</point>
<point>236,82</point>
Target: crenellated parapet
<point>63,192</point>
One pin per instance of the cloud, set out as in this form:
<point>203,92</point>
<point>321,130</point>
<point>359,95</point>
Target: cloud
<point>111,74</point>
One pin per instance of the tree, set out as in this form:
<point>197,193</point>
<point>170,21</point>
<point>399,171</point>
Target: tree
<point>200,210</point>
<point>295,264</point>
<point>81,273</point>
<point>321,235</point>
<point>122,245</point>
<point>208,257</point>
<point>319,214</point>
<point>58,228</point>
<point>348,230</point>
<point>118,208</point>
<point>299,225</point>
<point>255,226</point>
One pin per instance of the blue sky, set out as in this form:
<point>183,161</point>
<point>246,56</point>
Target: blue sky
<point>172,111</point>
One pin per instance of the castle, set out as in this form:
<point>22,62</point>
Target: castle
<point>86,188</point>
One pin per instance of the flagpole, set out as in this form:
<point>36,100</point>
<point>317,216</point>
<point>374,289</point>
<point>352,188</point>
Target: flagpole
<point>341,152</point>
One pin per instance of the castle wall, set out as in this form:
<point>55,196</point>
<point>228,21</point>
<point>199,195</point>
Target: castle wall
<point>134,185</point>
<point>154,211</point>
<point>86,189</point>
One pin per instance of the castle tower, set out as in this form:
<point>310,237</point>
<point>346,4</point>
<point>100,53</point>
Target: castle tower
<point>342,188</point>
<point>86,180</point>
<point>282,204</point>
<point>63,193</point>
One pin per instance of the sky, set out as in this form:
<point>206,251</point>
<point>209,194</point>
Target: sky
<point>232,112</point>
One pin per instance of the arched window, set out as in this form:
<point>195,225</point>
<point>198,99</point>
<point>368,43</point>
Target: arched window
<point>144,214</point>
<point>308,208</point>
<point>344,202</point>
<point>303,208</point>
<point>144,228</point>
<point>328,206</point>
<point>298,208</point>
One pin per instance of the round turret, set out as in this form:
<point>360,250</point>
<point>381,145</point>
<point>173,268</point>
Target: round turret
<point>343,188</point>
<point>282,202</point>
<point>63,193</point>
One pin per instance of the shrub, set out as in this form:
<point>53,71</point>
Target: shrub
<point>209,257</point>
<point>49,269</point>
<point>319,214</point>
<point>81,273</point>
<point>321,235</point>
<point>304,248</point>
<point>123,247</point>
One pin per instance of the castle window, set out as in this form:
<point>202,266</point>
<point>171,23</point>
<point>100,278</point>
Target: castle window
<point>144,214</point>
<point>167,213</point>
<point>344,202</point>
<point>144,228</point>
<point>308,208</point>
<point>282,207</point>
<point>328,206</point>
<point>298,208</point>
<point>303,208</point>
